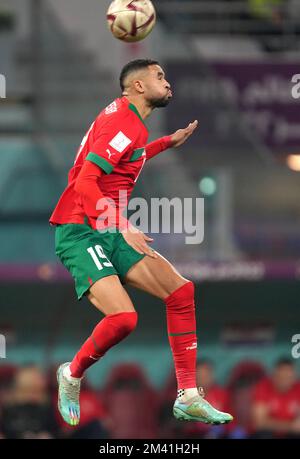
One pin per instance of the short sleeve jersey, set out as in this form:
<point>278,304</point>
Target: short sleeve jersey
<point>284,406</point>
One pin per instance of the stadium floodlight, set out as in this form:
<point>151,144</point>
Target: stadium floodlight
<point>208,186</point>
<point>293,162</point>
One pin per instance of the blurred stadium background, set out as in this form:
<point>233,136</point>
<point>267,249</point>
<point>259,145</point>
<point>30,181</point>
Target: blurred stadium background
<point>230,64</point>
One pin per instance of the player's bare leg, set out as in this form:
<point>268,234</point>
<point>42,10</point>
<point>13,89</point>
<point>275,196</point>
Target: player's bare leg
<point>159,278</point>
<point>109,297</point>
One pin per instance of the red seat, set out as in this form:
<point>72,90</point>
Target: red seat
<point>245,373</point>
<point>131,403</point>
<point>240,387</point>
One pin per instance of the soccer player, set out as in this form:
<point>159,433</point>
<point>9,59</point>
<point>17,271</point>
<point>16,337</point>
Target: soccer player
<point>101,261</point>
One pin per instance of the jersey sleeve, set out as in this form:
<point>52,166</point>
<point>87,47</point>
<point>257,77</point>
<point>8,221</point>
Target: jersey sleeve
<point>158,146</point>
<point>112,140</point>
<point>87,185</point>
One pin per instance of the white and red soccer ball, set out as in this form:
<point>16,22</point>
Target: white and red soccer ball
<point>131,21</point>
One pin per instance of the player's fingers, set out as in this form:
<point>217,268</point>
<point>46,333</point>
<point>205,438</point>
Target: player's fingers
<point>189,131</point>
<point>192,126</point>
<point>148,251</point>
<point>152,253</point>
<point>137,249</point>
<point>147,238</point>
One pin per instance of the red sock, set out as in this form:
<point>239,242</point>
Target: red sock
<point>181,321</point>
<point>109,332</point>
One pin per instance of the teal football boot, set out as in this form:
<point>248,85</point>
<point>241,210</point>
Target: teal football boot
<point>68,396</point>
<point>198,409</point>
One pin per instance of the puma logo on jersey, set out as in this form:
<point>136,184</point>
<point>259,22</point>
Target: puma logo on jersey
<point>120,142</point>
<point>193,346</point>
<point>110,154</point>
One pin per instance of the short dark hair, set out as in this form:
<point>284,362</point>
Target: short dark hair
<point>133,66</point>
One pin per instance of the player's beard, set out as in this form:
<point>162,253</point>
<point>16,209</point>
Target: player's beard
<point>160,103</point>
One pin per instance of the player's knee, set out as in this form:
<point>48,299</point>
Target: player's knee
<point>187,290</point>
<point>189,287</point>
<point>128,322</point>
<point>183,296</point>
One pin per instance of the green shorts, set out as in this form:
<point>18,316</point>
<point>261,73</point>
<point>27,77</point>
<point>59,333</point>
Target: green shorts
<point>90,255</point>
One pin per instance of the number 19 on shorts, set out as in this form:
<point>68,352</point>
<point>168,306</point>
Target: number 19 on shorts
<point>98,256</point>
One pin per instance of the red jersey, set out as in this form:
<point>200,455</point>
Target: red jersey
<point>282,406</point>
<point>116,142</point>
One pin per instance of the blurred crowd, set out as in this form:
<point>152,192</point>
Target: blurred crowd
<point>254,18</point>
<point>128,407</point>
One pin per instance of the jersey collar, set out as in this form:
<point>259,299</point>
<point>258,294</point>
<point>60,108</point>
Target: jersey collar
<point>133,108</point>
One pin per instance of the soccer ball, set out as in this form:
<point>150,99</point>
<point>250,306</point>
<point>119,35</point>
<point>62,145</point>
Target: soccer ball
<point>131,20</point>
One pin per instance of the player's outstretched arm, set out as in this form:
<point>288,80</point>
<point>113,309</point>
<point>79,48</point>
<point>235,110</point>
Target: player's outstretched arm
<point>181,136</point>
<point>171,141</point>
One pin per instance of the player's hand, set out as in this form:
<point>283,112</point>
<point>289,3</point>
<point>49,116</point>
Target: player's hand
<point>138,241</point>
<point>180,136</point>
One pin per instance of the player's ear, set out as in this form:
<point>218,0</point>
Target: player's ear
<point>139,86</point>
